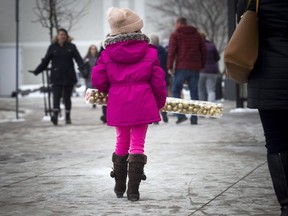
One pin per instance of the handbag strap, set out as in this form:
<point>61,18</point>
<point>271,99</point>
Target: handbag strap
<point>257,5</point>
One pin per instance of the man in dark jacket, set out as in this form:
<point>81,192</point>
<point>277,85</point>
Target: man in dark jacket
<point>188,50</point>
<point>63,77</point>
<point>162,56</point>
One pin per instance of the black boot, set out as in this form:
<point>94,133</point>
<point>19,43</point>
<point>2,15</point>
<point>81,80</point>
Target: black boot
<point>67,117</point>
<point>164,116</point>
<point>135,174</point>
<point>119,173</point>
<point>103,119</point>
<point>54,117</point>
<point>278,167</point>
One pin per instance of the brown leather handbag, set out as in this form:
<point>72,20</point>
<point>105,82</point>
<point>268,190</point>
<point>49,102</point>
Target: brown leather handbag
<point>241,52</point>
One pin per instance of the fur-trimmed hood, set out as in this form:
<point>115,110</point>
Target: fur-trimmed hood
<point>136,36</point>
<point>127,48</point>
<point>69,39</point>
<point>129,71</point>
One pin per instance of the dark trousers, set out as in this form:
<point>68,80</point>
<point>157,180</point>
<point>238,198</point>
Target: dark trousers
<point>275,126</point>
<point>60,91</point>
<point>104,110</point>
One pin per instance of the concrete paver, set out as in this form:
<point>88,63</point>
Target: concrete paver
<point>217,167</point>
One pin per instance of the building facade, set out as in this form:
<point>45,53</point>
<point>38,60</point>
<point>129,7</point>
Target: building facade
<point>34,38</point>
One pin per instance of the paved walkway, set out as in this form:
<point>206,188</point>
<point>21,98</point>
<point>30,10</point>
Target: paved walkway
<point>217,167</point>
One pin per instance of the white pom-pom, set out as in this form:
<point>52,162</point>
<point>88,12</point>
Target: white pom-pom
<point>116,14</point>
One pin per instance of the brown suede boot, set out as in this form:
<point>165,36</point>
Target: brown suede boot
<point>119,173</point>
<point>136,174</point>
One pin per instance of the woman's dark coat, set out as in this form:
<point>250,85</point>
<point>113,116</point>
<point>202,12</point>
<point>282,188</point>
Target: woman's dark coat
<point>62,71</point>
<point>268,83</point>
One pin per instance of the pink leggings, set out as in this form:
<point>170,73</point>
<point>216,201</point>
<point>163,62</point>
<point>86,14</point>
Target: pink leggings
<point>130,138</point>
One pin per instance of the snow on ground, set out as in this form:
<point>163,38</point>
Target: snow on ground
<point>34,91</point>
<point>243,110</point>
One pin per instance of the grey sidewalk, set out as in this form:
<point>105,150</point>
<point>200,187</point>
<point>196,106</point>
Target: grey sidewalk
<point>215,168</point>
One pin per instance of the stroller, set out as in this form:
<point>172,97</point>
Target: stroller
<point>46,89</point>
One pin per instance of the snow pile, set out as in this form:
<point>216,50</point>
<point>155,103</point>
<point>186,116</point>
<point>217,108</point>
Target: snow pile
<point>243,110</point>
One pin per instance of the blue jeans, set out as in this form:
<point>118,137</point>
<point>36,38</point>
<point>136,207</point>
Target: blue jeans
<point>207,86</point>
<point>192,78</point>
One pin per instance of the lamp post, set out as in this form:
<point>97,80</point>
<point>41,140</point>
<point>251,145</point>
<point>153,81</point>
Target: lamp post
<point>232,7</point>
<point>231,16</point>
<point>17,56</point>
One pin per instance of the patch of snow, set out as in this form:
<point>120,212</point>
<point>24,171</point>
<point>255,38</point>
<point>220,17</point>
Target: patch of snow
<point>10,116</point>
<point>33,91</point>
<point>243,110</point>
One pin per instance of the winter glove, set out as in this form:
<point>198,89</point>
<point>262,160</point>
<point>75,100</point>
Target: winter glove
<point>31,71</point>
<point>84,70</point>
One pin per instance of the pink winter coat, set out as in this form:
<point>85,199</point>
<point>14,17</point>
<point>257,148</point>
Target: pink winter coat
<point>129,70</point>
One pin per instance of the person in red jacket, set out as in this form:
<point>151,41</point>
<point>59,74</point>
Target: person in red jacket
<point>186,58</point>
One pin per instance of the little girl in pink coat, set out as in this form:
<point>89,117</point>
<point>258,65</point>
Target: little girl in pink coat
<point>129,71</point>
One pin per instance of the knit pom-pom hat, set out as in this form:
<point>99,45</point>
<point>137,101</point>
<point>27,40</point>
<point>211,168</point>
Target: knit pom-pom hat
<point>123,20</point>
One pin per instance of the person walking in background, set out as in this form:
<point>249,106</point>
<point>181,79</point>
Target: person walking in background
<point>208,76</point>
<point>162,56</point>
<point>129,70</point>
<point>187,49</point>
<point>268,89</point>
<point>89,62</point>
<point>63,77</point>
<point>104,108</point>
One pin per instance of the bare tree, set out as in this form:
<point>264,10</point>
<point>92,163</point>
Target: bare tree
<point>209,16</point>
<point>53,14</point>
